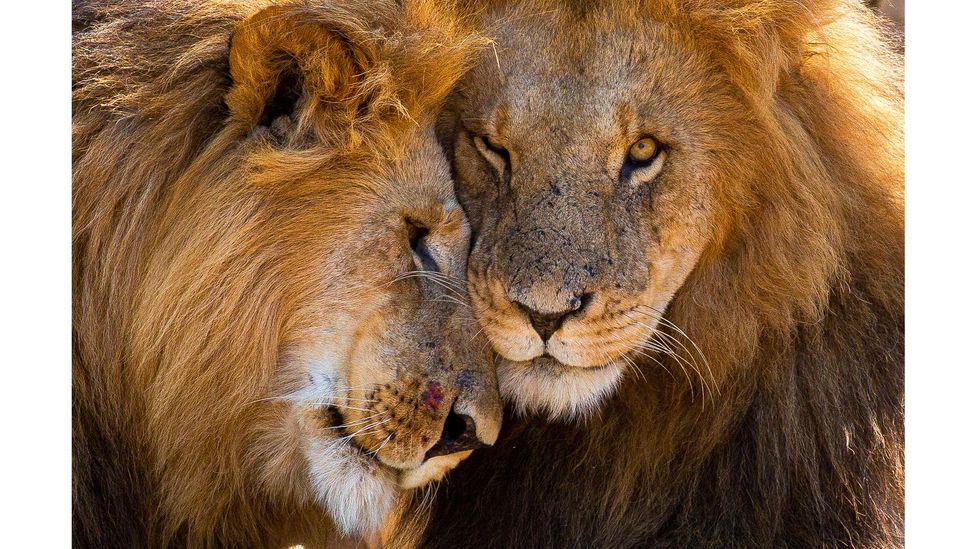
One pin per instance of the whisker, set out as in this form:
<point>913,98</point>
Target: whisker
<point>663,338</point>
<point>437,278</point>
<point>455,282</point>
<point>356,423</point>
<point>630,363</point>
<point>346,407</point>
<point>633,366</point>
<point>371,426</point>
<point>661,318</point>
<point>451,299</point>
<point>655,359</point>
<point>663,347</point>
<point>386,440</point>
<point>307,402</point>
<point>476,334</point>
<point>693,365</point>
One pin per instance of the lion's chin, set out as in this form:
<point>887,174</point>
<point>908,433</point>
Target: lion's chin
<point>431,470</point>
<point>548,387</point>
<point>359,490</point>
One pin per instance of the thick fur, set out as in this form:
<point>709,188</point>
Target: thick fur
<point>783,192</point>
<point>240,241</point>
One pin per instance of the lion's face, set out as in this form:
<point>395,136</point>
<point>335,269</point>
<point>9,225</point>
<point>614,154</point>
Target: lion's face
<point>361,370</point>
<point>587,159</point>
<point>386,378</point>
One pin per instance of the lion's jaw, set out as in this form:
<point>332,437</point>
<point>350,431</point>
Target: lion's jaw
<point>363,447</point>
<point>554,378</point>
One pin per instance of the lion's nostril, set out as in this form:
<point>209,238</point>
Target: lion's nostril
<point>546,324</point>
<point>459,434</point>
<point>455,426</point>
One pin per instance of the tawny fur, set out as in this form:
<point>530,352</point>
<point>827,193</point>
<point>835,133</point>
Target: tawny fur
<point>205,262</point>
<point>796,300</point>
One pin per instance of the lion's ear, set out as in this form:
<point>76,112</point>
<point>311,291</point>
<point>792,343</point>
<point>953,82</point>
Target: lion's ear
<point>296,71</point>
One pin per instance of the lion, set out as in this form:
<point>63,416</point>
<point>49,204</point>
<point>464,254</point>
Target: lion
<point>687,222</point>
<point>271,337</point>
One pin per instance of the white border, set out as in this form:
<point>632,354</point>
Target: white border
<point>35,283</point>
<point>941,273</point>
<point>35,274</point>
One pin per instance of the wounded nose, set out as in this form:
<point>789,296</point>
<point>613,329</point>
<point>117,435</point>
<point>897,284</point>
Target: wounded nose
<point>546,324</point>
<point>459,434</point>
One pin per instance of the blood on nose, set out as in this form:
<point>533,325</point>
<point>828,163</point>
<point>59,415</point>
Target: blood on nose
<point>432,396</point>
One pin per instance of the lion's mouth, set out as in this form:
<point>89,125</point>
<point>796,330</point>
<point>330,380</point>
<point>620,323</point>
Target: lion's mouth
<point>345,434</point>
<point>548,363</point>
<point>432,468</point>
<point>339,427</point>
<point>563,392</point>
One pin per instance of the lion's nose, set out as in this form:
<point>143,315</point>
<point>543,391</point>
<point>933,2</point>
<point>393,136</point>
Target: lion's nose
<point>546,324</point>
<point>459,434</point>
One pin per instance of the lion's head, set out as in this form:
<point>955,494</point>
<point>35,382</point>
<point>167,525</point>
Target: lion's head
<point>734,168</point>
<point>611,157</point>
<point>269,262</point>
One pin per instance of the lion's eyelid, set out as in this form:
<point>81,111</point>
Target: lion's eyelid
<point>494,154</point>
<point>641,174</point>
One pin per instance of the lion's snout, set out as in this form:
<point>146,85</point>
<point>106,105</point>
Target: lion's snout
<point>417,419</point>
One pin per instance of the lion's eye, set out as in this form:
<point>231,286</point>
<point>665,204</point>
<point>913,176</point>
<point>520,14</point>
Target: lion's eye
<point>643,151</point>
<point>417,236</point>
<point>495,154</point>
<point>642,163</point>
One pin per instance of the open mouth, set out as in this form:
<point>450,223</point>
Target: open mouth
<point>436,463</point>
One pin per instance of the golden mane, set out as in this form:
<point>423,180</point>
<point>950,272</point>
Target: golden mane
<point>150,91</point>
<point>798,308</point>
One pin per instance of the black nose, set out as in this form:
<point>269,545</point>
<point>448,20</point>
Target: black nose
<point>546,324</point>
<point>459,434</point>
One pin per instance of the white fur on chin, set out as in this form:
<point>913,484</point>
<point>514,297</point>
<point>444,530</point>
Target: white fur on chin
<point>357,492</point>
<point>560,392</point>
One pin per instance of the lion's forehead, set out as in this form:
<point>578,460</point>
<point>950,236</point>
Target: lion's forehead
<point>608,81</point>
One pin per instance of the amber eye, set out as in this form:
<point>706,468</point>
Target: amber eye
<point>642,162</point>
<point>643,151</point>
